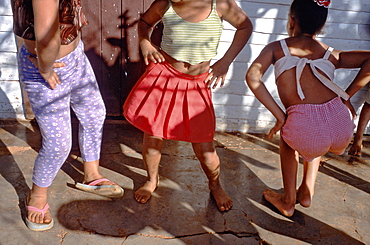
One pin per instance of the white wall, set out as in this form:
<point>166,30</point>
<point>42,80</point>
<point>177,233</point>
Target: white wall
<point>236,108</point>
<point>11,102</point>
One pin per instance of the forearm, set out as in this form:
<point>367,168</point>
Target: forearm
<point>268,101</point>
<point>241,37</point>
<point>364,118</point>
<point>47,33</point>
<point>150,19</point>
<point>262,94</point>
<point>145,32</point>
<point>362,78</point>
<point>47,54</point>
<point>149,51</point>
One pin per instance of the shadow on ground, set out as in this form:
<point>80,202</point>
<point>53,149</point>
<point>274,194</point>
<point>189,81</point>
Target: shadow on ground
<point>182,206</point>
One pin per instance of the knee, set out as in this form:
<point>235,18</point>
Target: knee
<point>153,149</point>
<point>99,117</point>
<point>206,156</point>
<point>152,145</point>
<point>57,149</point>
<point>93,115</point>
<point>152,152</point>
<point>211,158</point>
<point>205,152</point>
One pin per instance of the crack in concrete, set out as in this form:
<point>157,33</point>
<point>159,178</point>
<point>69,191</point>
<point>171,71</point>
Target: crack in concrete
<point>62,236</point>
<point>163,154</point>
<point>356,231</point>
<point>237,234</point>
<point>348,208</point>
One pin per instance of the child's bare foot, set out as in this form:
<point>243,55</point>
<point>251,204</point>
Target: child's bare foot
<point>355,150</point>
<point>304,197</point>
<point>36,216</point>
<point>143,194</point>
<point>277,199</point>
<point>223,201</point>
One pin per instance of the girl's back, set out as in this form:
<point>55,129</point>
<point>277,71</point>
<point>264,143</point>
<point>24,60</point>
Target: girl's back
<point>314,91</point>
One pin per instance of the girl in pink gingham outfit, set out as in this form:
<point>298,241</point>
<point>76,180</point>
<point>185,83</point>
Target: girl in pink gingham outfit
<point>315,120</point>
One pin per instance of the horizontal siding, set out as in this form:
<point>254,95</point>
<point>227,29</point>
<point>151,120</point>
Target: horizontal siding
<point>7,42</point>
<point>6,23</point>
<point>8,58</point>
<point>5,8</point>
<point>236,107</point>
<point>11,100</point>
<point>9,73</point>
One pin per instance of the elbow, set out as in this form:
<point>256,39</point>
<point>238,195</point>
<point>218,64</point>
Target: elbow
<point>48,36</point>
<point>246,27</point>
<point>47,43</point>
<point>249,26</point>
<point>251,79</point>
<point>49,40</point>
<point>254,75</point>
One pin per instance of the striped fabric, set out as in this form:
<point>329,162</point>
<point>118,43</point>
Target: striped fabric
<point>191,42</point>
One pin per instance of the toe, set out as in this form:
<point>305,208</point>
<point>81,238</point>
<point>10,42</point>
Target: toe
<point>222,208</point>
<point>47,218</point>
<point>140,198</point>
<point>143,200</point>
<point>137,198</point>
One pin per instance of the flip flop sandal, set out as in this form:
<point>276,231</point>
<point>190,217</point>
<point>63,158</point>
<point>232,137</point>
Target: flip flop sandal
<point>111,191</point>
<point>39,226</point>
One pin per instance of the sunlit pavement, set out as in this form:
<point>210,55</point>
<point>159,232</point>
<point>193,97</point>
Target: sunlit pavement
<point>181,211</point>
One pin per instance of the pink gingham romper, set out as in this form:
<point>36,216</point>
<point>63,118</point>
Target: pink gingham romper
<point>314,129</point>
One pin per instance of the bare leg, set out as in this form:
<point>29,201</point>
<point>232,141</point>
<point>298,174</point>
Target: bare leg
<point>289,164</point>
<point>91,173</point>
<point>152,156</point>
<point>356,147</point>
<point>306,189</point>
<point>38,199</point>
<point>210,163</point>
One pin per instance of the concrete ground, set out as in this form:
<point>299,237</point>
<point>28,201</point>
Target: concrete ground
<point>182,210</point>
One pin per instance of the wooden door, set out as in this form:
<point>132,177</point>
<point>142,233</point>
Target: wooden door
<point>111,44</point>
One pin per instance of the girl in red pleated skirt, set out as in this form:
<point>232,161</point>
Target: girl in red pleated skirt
<point>172,105</point>
<point>172,100</point>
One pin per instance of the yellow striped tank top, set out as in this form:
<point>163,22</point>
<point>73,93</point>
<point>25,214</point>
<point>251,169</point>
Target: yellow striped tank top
<point>191,42</point>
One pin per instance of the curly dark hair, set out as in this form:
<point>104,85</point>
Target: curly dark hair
<point>310,16</point>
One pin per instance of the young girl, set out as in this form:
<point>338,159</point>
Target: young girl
<point>172,100</point>
<point>316,120</point>
<point>57,76</point>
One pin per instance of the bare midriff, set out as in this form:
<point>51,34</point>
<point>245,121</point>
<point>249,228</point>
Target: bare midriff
<point>187,68</point>
<point>63,51</point>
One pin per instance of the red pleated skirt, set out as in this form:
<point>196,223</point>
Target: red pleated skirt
<point>172,105</point>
